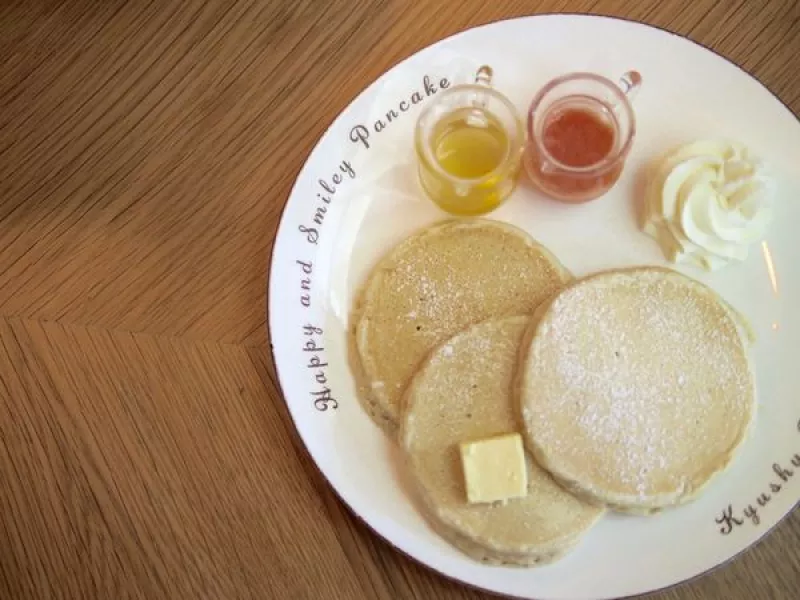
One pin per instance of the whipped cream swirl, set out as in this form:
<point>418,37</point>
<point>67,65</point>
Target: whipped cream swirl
<point>707,202</point>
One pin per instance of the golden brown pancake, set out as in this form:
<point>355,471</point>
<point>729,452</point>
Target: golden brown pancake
<point>465,392</point>
<point>431,286</point>
<point>635,388</point>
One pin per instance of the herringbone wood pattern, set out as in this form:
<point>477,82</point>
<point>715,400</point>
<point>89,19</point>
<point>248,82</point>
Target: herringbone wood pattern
<point>146,151</point>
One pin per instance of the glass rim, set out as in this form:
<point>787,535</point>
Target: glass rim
<point>424,147</point>
<point>612,158</point>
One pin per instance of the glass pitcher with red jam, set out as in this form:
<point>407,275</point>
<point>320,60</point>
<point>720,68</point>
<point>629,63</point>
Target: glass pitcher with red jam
<point>580,130</point>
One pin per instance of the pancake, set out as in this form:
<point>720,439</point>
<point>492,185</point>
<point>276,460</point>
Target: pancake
<point>635,388</point>
<point>464,392</point>
<point>432,285</point>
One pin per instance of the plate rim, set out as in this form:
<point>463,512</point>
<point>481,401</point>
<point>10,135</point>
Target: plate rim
<point>271,282</point>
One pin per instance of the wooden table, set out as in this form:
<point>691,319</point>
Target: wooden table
<point>146,151</point>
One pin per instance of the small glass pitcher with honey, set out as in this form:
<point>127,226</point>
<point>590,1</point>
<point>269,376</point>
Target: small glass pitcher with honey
<point>469,145</point>
<point>581,128</point>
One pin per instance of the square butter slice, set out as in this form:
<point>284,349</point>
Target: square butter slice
<point>494,468</point>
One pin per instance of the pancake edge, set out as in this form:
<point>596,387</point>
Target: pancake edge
<point>477,549</point>
<point>375,403</point>
<point>620,503</point>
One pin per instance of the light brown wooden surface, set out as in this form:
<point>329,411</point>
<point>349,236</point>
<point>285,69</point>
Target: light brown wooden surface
<point>146,151</point>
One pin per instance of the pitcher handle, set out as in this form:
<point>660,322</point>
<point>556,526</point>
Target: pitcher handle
<point>630,83</point>
<point>483,78</point>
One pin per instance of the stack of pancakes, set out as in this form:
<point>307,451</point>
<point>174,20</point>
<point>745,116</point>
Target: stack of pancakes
<point>631,388</point>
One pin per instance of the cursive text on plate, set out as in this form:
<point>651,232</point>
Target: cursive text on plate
<point>316,363</point>
<point>733,517</point>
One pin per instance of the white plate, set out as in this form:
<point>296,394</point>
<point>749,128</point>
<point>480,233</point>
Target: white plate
<point>688,92</point>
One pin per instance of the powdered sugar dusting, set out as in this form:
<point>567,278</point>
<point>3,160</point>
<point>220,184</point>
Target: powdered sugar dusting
<point>646,381</point>
<point>464,393</point>
<point>471,274</point>
<point>441,282</point>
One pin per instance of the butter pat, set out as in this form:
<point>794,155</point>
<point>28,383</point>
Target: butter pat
<point>494,468</point>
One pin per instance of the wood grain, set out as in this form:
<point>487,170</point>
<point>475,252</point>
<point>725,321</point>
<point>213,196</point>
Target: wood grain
<point>146,152</point>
